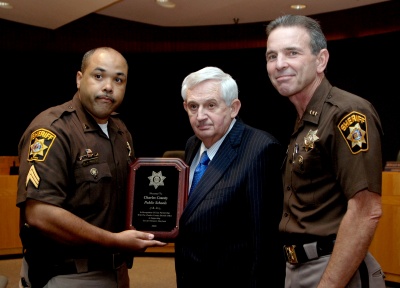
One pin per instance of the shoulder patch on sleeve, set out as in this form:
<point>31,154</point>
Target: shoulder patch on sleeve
<point>353,128</point>
<point>41,142</point>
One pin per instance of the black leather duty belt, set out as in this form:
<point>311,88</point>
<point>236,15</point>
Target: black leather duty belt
<point>76,266</point>
<point>301,253</point>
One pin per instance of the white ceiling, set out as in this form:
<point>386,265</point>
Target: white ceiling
<point>53,14</point>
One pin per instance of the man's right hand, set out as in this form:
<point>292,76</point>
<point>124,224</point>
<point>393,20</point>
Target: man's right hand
<point>134,240</point>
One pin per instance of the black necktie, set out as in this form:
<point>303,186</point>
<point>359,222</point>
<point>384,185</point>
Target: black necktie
<point>200,169</point>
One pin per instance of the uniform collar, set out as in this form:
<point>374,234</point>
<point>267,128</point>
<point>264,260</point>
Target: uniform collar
<point>88,123</point>
<point>314,107</point>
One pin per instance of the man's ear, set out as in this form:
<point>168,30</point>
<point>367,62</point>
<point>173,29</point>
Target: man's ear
<point>78,79</point>
<point>235,107</point>
<point>322,60</point>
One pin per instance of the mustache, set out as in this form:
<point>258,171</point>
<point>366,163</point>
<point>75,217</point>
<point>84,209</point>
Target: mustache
<point>106,96</point>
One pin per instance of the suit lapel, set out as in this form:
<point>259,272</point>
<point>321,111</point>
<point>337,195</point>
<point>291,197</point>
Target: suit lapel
<point>190,153</point>
<point>220,163</point>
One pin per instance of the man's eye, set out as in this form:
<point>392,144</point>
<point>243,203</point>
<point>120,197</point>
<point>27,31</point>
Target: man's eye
<point>97,76</point>
<point>271,57</point>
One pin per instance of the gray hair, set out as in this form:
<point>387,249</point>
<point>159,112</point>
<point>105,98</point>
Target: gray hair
<point>229,89</point>
<point>317,37</point>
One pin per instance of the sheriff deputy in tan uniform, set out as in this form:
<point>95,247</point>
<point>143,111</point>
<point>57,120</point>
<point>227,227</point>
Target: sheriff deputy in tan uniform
<point>74,164</point>
<point>333,171</point>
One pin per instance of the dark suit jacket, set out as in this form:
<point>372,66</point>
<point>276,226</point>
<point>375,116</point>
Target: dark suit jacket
<point>228,231</point>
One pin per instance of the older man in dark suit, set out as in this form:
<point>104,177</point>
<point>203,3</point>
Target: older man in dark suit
<point>229,229</point>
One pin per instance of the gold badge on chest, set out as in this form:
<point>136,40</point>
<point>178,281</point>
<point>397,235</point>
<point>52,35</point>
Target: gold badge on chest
<point>310,139</point>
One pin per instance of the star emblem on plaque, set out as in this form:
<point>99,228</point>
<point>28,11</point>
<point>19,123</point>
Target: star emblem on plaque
<point>156,179</point>
<point>309,140</point>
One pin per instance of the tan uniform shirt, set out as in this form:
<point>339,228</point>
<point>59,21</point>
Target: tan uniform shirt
<point>67,160</point>
<point>334,152</point>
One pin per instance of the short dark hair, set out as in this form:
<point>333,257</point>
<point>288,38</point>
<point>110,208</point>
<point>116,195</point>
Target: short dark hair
<point>317,37</point>
<point>88,54</point>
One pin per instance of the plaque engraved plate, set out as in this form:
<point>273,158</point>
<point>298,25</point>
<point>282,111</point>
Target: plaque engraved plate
<point>157,195</point>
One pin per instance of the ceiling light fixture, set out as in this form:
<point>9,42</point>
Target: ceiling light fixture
<point>166,3</point>
<point>5,5</point>
<point>298,6</point>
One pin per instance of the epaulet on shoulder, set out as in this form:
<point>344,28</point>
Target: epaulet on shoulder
<point>58,111</point>
<point>337,92</point>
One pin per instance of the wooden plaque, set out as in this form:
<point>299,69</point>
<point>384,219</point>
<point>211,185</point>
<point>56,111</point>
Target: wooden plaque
<point>157,195</point>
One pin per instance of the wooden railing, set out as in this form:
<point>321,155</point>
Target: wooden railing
<point>10,242</point>
<point>385,246</point>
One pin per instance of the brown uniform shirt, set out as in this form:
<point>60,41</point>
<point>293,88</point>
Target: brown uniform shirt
<point>67,160</point>
<point>334,152</point>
